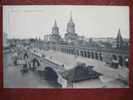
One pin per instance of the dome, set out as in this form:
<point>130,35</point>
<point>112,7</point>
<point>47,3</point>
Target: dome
<point>55,29</point>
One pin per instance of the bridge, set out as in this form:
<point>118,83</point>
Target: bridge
<point>42,63</point>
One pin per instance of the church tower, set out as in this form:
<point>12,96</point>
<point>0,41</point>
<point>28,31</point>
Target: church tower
<point>70,25</point>
<point>55,36</point>
<point>55,29</point>
<point>119,39</point>
<point>70,35</point>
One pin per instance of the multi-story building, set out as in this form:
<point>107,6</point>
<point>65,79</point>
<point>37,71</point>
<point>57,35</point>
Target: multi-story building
<point>106,51</point>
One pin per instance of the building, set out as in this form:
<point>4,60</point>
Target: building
<point>46,38</point>
<point>72,44</point>
<point>102,51</point>
<point>80,73</point>
<point>119,40</point>
<point>71,36</point>
<point>98,50</point>
<point>55,36</point>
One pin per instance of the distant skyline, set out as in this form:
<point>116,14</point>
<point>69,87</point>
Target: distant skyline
<point>90,21</point>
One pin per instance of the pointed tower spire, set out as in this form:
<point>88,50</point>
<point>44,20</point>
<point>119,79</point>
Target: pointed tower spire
<point>70,25</point>
<point>71,19</point>
<point>119,39</point>
<point>55,23</point>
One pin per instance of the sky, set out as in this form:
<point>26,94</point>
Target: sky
<point>90,21</point>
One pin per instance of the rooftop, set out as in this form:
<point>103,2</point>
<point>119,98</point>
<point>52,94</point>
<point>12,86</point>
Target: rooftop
<point>81,73</point>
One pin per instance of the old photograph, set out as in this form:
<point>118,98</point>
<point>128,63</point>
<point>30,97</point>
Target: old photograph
<point>66,46</point>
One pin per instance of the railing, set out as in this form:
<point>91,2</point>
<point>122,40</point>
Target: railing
<point>50,63</point>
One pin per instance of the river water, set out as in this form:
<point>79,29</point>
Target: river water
<point>13,78</point>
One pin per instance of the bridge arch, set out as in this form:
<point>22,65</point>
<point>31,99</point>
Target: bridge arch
<point>34,63</point>
<point>54,76</point>
<point>50,74</point>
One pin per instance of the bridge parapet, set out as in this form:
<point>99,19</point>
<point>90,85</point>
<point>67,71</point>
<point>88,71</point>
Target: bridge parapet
<point>58,68</point>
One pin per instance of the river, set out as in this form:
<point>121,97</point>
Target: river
<point>13,78</point>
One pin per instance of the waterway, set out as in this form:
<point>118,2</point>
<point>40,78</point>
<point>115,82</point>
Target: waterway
<point>13,78</point>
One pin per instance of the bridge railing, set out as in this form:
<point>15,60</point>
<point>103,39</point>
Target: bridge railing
<point>47,62</point>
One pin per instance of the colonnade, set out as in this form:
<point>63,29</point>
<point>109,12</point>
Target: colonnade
<point>122,60</point>
<point>97,55</point>
<point>83,53</point>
